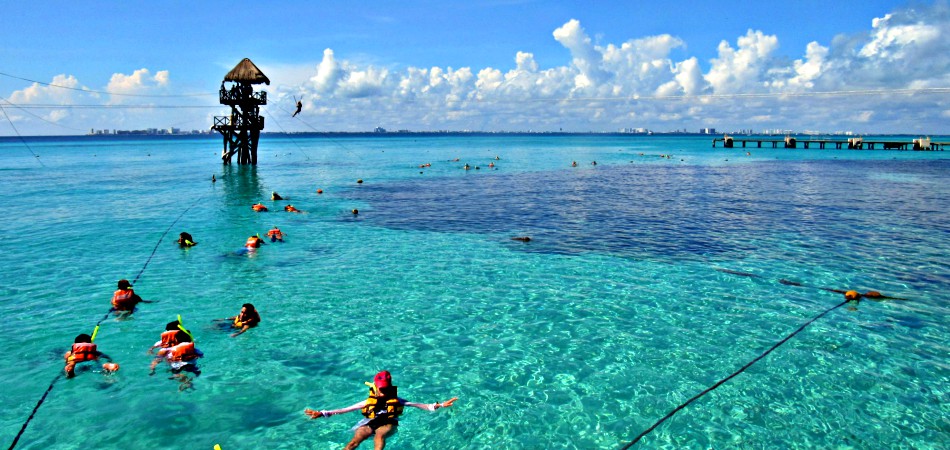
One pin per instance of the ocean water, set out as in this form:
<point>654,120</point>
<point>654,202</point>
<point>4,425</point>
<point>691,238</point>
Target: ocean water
<point>611,316</point>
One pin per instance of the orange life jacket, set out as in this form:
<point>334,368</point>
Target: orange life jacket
<point>84,351</point>
<point>259,207</point>
<point>123,299</point>
<point>253,242</point>
<point>275,233</point>
<point>169,338</point>
<point>183,352</point>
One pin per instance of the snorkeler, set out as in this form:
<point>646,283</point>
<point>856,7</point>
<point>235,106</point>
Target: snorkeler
<point>275,235</point>
<point>381,411</point>
<point>291,208</point>
<point>248,318</point>
<point>124,299</point>
<point>259,207</point>
<point>84,350</point>
<point>185,240</point>
<point>253,242</point>
<point>182,357</point>
<point>169,337</point>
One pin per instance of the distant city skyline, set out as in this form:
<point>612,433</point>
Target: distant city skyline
<point>864,67</point>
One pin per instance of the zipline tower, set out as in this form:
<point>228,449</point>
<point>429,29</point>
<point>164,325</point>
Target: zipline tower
<point>242,128</point>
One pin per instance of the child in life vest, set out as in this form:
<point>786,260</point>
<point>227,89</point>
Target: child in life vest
<point>124,299</point>
<point>83,350</point>
<point>381,411</point>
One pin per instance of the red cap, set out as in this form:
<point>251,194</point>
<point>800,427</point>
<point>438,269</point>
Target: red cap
<point>383,379</point>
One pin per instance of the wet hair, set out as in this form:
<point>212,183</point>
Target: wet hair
<point>249,307</point>
<point>173,325</point>
<point>83,338</point>
<point>124,284</point>
<point>181,336</point>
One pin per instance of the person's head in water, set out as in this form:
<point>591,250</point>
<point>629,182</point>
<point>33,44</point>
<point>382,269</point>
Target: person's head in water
<point>83,339</point>
<point>181,336</point>
<point>124,284</point>
<point>247,308</point>
<point>173,325</point>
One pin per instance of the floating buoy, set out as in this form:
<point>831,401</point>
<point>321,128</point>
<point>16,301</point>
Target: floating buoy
<point>319,191</point>
<point>851,295</point>
<point>873,294</point>
<point>355,211</point>
<point>110,367</point>
<point>360,181</point>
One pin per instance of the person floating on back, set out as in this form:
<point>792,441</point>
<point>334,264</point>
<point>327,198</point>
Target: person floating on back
<point>83,350</point>
<point>291,208</point>
<point>381,411</point>
<point>259,207</point>
<point>248,318</point>
<point>185,240</point>
<point>275,235</point>
<point>124,299</point>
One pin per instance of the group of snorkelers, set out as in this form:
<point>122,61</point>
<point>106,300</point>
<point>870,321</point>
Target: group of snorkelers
<point>176,347</point>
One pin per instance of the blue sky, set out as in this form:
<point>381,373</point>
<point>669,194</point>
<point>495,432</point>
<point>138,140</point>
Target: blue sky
<point>485,65</point>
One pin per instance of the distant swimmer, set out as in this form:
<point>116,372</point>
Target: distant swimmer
<point>248,318</point>
<point>290,208</point>
<point>381,411</point>
<point>275,196</point>
<point>84,350</point>
<point>491,164</point>
<point>185,240</point>
<point>213,179</point>
<point>466,166</point>
<point>573,163</point>
<point>259,207</point>
<point>253,242</point>
<point>522,238</point>
<point>275,235</point>
<point>593,163</point>
<point>125,299</point>
<point>355,211</point>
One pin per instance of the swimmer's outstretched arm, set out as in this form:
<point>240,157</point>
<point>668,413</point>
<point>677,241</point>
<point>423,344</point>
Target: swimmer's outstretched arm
<point>318,414</point>
<point>431,406</point>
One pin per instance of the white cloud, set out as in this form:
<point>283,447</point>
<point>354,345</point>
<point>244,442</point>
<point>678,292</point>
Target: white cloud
<point>605,86</point>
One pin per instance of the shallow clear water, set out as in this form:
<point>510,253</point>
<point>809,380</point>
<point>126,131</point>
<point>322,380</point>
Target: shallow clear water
<point>609,318</point>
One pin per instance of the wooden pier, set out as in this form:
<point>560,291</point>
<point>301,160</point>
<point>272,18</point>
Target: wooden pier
<point>850,143</point>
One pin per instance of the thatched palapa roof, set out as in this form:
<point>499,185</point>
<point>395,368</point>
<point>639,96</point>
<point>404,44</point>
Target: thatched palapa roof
<point>247,72</point>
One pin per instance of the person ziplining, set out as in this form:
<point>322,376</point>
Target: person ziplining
<point>299,106</point>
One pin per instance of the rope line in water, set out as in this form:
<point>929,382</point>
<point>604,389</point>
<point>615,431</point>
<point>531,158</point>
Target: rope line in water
<point>42,399</point>
<point>50,388</point>
<point>37,157</point>
<point>742,369</point>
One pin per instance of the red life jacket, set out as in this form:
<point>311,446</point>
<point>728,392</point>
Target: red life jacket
<point>123,299</point>
<point>183,352</point>
<point>169,338</point>
<point>84,351</point>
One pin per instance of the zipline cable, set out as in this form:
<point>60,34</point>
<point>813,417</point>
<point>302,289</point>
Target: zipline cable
<point>742,369</point>
<point>50,388</point>
<point>205,94</point>
<point>285,131</point>
<point>37,157</point>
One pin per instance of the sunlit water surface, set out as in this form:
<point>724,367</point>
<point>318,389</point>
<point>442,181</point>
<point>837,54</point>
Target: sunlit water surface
<point>611,316</point>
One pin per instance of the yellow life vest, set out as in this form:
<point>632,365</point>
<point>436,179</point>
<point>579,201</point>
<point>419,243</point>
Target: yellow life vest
<point>380,404</point>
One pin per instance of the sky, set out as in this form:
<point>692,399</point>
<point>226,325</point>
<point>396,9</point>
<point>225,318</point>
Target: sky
<point>869,66</point>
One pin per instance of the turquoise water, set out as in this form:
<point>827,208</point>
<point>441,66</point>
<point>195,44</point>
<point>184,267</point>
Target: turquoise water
<point>609,318</point>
